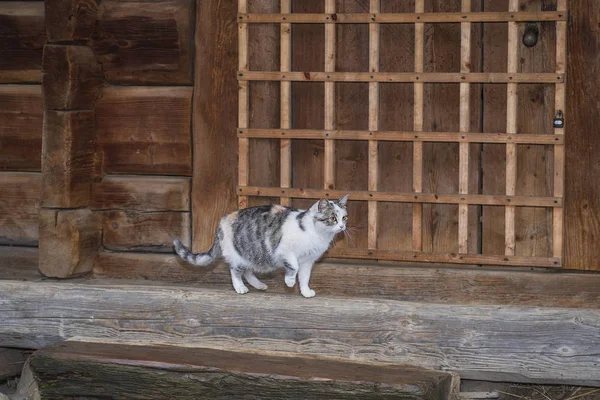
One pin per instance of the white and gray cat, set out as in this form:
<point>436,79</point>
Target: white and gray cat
<point>262,239</point>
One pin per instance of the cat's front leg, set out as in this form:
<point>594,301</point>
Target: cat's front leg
<point>304,278</point>
<point>291,269</point>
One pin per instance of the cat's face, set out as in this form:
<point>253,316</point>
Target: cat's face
<point>331,216</point>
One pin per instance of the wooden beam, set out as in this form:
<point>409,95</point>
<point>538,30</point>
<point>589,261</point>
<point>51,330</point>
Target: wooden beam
<point>243,105</point>
<point>477,342</point>
<point>286,103</point>
<point>374,33</point>
<point>19,208</point>
<point>144,370</point>
<point>19,262</point>
<point>330,55</point>
<point>71,20</point>
<point>417,168</point>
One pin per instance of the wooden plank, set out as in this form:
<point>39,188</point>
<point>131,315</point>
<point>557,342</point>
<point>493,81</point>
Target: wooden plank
<point>215,173</point>
<point>71,78</point>
<point>330,58</point>
<point>425,77</point>
<point>67,158</point>
<point>374,32</point>
<point>69,242</point>
<point>11,362</point>
<point>19,208</point>
<point>285,158</point>
<point>417,222</point>
<point>582,193</point>
<point>71,20</point>
<point>21,116</point>
<point>416,197</point>
<point>144,231</point>
<point>185,372</point>
<point>402,136</point>
<point>145,42</point>
<point>477,342</point>
<point>145,130</point>
<point>22,39</point>
<point>139,193</point>
<point>390,18</point>
<point>243,105</point>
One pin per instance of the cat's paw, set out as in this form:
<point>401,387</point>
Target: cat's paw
<point>242,289</point>
<point>261,286</point>
<point>308,293</point>
<point>290,281</point>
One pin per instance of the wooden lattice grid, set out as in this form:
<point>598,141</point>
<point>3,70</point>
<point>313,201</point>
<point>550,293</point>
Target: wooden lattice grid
<point>373,135</point>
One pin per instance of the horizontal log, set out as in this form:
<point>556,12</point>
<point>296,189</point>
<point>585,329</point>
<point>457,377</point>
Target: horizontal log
<point>18,262</point>
<point>142,193</point>
<point>433,198</point>
<point>11,362</point>
<point>390,18</point>
<point>516,344</point>
<point>401,136</point>
<point>146,130</point>
<point>71,20</point>
<point>22,39</point>
<point>19,208</point>
<point>141,42</point>
<point>21,118</point>
<point>144,371</point>
<point>425,77</point>
<point>465,285</point>
<point>144,231</point>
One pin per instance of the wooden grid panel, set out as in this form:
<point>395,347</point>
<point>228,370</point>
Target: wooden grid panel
<point>464,137</point>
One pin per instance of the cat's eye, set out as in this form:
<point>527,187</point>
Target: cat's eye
<point>333,219</point>
<point>345,218</point>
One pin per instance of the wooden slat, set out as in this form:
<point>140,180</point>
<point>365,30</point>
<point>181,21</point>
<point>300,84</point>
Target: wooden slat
<point>416,197</point>
<point>286,102</point>
<point>465,119</point>
<point>243,105</point>
<point>417,223</point>
<point>374,32</point>
<point>420,17</point>
<point>427,77</point>
<point>403,136</point>
<point>20,196</point>
<point>330,44</point>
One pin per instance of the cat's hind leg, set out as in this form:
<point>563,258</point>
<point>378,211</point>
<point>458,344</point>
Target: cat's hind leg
<point>236,279</point>
<point>253,281</point>
<point>291,270</point>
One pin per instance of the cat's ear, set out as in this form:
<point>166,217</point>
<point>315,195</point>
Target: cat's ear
<point>322,204</point>
<point>342,201</point>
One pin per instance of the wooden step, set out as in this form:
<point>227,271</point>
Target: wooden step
<point>496,343</point>
<point>105,370</point>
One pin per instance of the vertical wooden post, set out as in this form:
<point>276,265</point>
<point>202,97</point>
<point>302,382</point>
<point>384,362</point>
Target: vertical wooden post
<point>329,181</point>
<point>465,118</point>
<point>418,126</point>
<point>373,125</point>
<point>244,164</point>
<point>286,101</point>
<point>511,128</point>
<point>559,150</point>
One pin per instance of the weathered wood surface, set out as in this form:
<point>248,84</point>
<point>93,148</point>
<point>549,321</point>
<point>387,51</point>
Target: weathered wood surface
<point>144,231</point>
<point>67,158</point>
<point>214,115</point>
<point>21,116</point>
<point>430,285</point>
<point>72,78</point>
<point>146,130</point>
<point>69,242</point>
<point>582,192</point>
<point>11,362</point>
<point>19,263</point>
<point>517,344</point>
<point>71,20</point>
<point>22,39</point>
<point>19,208</point>
<point>145,371</point>
<point>142,42</point>
<point>142,193</point>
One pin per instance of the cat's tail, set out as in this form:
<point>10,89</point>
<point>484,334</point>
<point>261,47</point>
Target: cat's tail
<point>197,259</point>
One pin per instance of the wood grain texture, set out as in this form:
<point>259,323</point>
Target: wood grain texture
<point>215,173</point>
<point>71,78</point>
<point>145,42</point>
<point>11,362</point>
<point>146,130</point>
<point>69,241</point>
<point>243,106</point>
<point>20,196</point>
<point>145,370</point>
<point>285,102</point>
<point>582,158</point>
<point>67,158</point>
<point>478,342</point>
<point>144,231</point>
<point>19,263</point>
<point>137,193</point>
<point>22,39</point>
<point>71,20</point>
<point>21,119</point>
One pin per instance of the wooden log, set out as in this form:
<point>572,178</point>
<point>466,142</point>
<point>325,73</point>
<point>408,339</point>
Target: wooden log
<point>18,262</point>
<point>145,370</point>
<point>11,362</point>
<point>22,39</point>
<point>516,344</point>
<point>67,158</point>
<point>69,242</point>
<point>145,130</point>
<point>19,208</point>
<point>71,20</point>
<point>144,231</point>
<point>21,116</point>
<point>71,78</point>
<point>142,42</point>
<point>141,193</point>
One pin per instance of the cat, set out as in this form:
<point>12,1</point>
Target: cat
<point>264,238</point>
